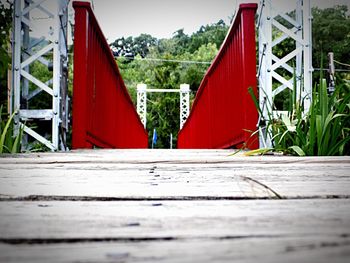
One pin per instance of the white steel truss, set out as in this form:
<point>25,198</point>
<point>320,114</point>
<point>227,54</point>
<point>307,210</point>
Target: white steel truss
<point>184,101</point>
<point>142,102</point>
<point>40,36</point>
<point>280,21</point>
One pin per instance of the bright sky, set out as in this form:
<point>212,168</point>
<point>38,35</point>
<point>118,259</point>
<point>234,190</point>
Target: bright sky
<point>161,18</point>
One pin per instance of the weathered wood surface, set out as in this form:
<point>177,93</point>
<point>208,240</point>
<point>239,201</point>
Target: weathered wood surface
<point>173,206</point>
<point>174,219</point>
<point>171,174</point>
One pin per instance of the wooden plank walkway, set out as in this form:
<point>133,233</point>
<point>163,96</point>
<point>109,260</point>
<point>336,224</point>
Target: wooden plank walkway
<point>173,206</point>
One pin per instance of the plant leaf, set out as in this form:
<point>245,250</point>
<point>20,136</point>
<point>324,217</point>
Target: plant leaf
<point>17,143</point>
<point>298,150</point>
<point>4,132</point>
<point>258,151</point>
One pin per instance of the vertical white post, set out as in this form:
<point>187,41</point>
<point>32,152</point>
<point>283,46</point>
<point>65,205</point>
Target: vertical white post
<point>308,69</point>
<point>25,55</point>
<point>299,56</point>
<point>331,71</point>
<point>184,103</point>
<point>265,74</point>
<point>142,102</point>
<point>56,78</point>
<point>16,62</point>
<point>63,94</point>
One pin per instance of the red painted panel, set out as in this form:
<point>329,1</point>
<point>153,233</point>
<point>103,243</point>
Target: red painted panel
<point>223,109</point>
<point>103,113</point>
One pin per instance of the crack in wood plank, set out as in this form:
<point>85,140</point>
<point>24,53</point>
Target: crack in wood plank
<point>317,246</point>
<point>30,198</point>
<point>41,241</point>
<point>246,178</point>
<point>34,241</point>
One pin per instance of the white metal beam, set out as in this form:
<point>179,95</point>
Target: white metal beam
<point>37,55</point>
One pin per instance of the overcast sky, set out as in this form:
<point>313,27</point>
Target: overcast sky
<point>161,18</point>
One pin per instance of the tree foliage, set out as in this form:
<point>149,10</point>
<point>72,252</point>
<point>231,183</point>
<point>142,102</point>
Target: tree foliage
<point>214,33</point>
<point>5,59</point>
<point>331,33</point>
<point>130,47</point>
<point>158,66</point>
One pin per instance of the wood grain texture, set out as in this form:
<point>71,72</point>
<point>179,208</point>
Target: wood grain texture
<point>175,219</point>
<point>157,174</point>
<point>173,206</point>
<point>265,250</point>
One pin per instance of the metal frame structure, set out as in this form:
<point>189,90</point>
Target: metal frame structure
<point>142,102</point>
<point>50,50</point>
<point>277,24</point>
<point>184,101</point>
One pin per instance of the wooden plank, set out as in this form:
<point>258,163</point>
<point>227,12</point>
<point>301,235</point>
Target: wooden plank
<point>313,227</point>
<point>264,250</point>
<point>171,174</point>
<point>167,185</point>
<point>176,231</point>
<point>163,156</point>
<point>176,219</point>
<point>121,156</point>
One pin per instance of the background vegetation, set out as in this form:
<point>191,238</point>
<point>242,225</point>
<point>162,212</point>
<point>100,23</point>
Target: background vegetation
<point>5,58</point>
<point>155,62</point>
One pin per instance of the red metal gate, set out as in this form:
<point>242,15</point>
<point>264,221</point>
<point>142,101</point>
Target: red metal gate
<point>103,113</point>
<point>223,112</point>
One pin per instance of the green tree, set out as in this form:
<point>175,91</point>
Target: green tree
<point>5,59</point>
<point>130,47</point>
<point>192,74</point>
<point>331,33</point>
<point>214,33</point>
<point>156,64</point>
<point>181,41</point>
<point>163,109</point>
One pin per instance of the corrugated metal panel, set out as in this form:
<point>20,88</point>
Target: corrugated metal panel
<point>223,110</point>
<point>103,113</point>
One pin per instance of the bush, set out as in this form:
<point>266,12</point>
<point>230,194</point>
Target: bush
<point>323,131</point>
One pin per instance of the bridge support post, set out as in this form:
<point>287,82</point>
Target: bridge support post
<point>142,102</point>
<point>49,53</point>
<point>184,103</point>
<point>278,73</point>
